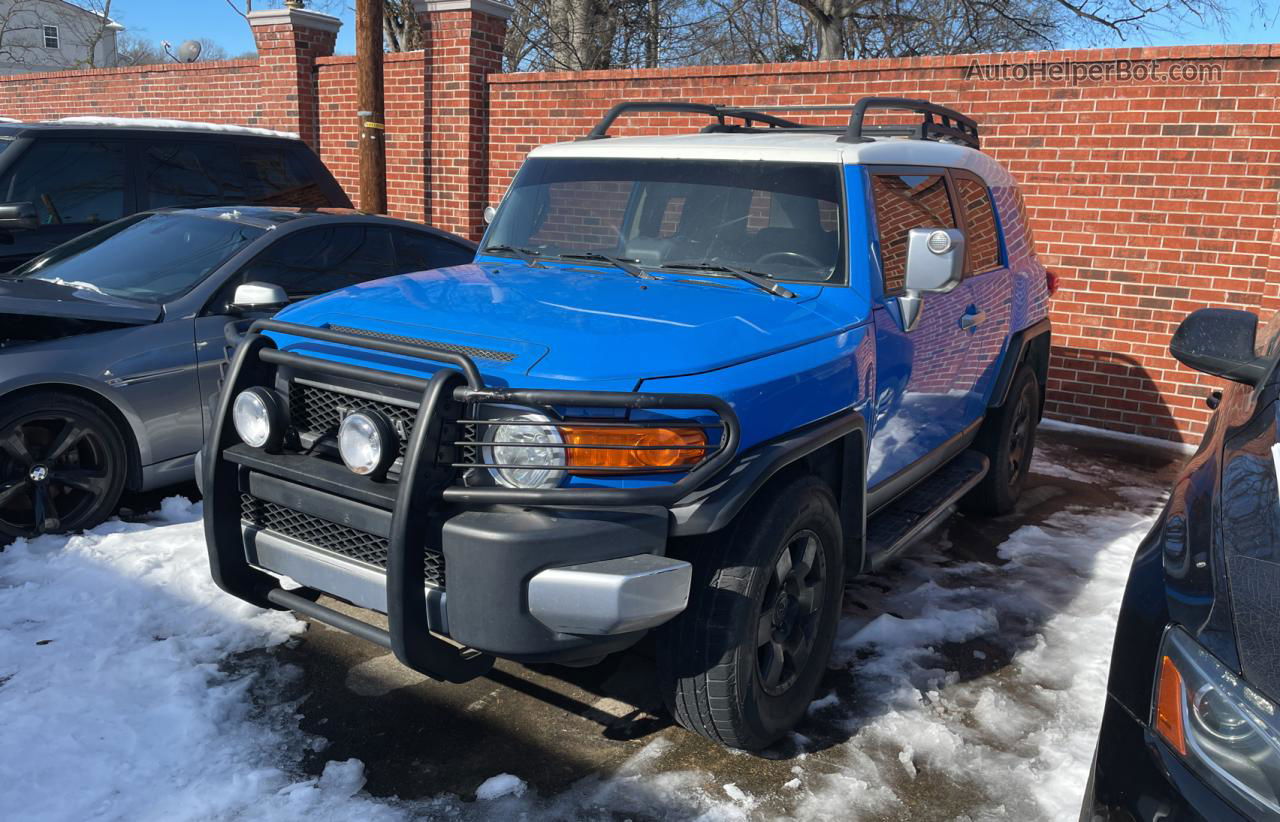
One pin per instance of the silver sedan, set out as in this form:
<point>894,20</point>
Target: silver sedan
<point>111,345</point>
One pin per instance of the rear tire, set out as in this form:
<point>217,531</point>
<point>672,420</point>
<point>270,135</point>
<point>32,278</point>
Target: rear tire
<point>741,664</point>
<point>1008,439</point>
<point>62,465</point>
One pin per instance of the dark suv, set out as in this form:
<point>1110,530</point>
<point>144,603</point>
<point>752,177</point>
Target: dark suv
<point>61,179</point>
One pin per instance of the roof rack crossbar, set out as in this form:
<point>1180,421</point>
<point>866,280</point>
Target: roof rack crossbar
<point>950,124</point>
<point>719,112</point>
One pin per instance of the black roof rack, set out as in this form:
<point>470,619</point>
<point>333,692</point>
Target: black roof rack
<point>719,112</point>
<point>953,125</point>
<point>939,123</point>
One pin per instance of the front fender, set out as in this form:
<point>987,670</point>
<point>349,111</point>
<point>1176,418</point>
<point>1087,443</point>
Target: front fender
<point>19,375</point>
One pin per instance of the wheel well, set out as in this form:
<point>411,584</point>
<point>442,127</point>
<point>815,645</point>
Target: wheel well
<point>840,463</point>
<point>133,476</point>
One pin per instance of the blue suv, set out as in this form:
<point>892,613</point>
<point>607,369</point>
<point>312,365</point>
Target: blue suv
<point>690,385</point>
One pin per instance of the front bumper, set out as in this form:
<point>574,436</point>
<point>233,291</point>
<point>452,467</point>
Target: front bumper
<point>1136,777</point>
<point>463,574</point>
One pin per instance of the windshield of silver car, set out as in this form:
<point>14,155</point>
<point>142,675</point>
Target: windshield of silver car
<point>148,258</point>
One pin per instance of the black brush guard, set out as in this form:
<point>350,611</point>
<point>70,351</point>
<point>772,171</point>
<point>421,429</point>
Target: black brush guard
<point>428,476</point>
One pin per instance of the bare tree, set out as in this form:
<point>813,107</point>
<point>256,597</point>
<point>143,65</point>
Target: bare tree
<point>134,50</point>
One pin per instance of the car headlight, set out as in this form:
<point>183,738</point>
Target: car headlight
<point>525,451</point>
<point>254,415</point>
<point>1226,731</point>
<point>367,443</point>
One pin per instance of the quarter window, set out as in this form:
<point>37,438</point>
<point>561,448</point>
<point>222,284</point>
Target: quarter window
<point>904,202</point>
<point>192,175</point>
<point>981,238</point>
<point>277,177</point>
<point>51,39</point>
<point>69,182</point>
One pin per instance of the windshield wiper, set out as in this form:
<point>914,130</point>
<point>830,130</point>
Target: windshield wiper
<point>527,255</point>
<point>628,266</point>
<point>760,281</point>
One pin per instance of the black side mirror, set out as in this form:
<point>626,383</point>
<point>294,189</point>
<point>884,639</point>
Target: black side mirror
<point>1220,341</point>
<point>18,216</point>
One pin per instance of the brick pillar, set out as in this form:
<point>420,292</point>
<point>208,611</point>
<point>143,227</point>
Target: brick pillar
<point>289,41</point>
<point>464,41</point>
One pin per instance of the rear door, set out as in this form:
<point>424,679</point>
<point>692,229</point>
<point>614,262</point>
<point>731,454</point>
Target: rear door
<point>990,288</point>
<point>75,184</point>
<point>925,381</point>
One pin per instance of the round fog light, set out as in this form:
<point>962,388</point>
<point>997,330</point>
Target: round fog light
<point>253,415</point>
<point>367,443</point>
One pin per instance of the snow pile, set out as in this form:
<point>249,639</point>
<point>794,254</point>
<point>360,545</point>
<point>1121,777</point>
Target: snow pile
<point>112,699</point>
<point>504,784</point>
<point>156,122</point>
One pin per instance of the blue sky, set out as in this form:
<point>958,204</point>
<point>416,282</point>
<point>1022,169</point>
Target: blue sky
<point>178,20</point>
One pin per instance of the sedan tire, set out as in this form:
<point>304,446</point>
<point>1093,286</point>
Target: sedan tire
<point>63,465</point>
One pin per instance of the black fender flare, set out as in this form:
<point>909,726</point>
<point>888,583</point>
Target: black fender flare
<point>716,504</point>
<point>1029,345</point>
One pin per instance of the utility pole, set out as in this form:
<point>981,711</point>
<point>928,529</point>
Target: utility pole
<point>373,148</point>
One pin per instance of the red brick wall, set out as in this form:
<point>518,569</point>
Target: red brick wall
<point>1149,199</point>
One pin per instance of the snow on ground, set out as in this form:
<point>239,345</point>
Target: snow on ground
<point>155,122</point>
<point>975,684</point>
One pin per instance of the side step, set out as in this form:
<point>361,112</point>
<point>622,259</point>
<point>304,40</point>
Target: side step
<point>901,522</point>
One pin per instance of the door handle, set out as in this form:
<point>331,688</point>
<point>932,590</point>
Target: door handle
<point>974,320</point>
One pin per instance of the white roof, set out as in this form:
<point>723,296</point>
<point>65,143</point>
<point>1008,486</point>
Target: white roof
<point>154,122</point>
<point>781,145</point>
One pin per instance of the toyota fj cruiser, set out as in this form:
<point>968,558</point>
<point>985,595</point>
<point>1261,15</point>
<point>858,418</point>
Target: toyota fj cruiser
<point>690,384</point>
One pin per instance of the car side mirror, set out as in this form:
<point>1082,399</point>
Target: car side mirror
<point>258,297</point>
<point>935,265</point>
<point>1220,341</point>
<point>18,216</point>
<point>489,212</point>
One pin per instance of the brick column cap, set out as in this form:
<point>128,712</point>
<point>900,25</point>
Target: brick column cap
<point>493,8</point>
<point>298,18</point>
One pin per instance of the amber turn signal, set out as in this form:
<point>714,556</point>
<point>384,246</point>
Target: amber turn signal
<point>1169,707</point>
<point>634,449</point>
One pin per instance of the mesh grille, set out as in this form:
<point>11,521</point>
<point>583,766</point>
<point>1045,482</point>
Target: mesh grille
<point>319,412</point>
<point>477,353</point>
<point>339,539</point>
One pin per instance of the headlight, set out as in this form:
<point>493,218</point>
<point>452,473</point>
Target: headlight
<point>1225,730</point>
<point>367,443</point>
<point>254,415</point>
<point>523,452</point>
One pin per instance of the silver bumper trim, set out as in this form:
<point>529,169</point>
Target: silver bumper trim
<point>614,596</point>
<point>359,584</point>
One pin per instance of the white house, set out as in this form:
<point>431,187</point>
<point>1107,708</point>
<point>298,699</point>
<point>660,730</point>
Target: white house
<point>55,35</point>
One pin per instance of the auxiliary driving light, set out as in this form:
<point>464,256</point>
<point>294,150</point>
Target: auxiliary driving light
<point>254,415</point>
<point>367,443</point>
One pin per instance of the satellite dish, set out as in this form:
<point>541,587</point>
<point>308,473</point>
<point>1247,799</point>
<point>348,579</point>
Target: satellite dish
<point>189,52</point>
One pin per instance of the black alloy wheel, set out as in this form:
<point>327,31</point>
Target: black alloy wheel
<point>787,626</point>
<point>62,466</point>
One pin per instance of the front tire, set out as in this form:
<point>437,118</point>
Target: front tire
<point>741,664</point>
<point>62,465</point>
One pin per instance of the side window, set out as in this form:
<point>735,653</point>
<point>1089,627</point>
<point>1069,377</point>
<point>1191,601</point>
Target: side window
<point>69,182</point>
<point>278,176</point>
<point>904,202</point>
<point>1268,335</point>
<point>319,260</point>
<point>982,242</point>
<point>191,175</point>
<point>416,251</point>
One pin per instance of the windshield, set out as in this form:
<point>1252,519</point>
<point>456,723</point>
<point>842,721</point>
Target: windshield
<point>149,257</point>
<point>782,220</point>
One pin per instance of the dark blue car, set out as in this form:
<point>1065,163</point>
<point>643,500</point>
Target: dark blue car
<point>690,384</point>
<point>1192,722</point>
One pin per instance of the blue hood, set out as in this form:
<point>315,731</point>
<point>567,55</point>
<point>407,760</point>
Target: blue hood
<point>569,323</point>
